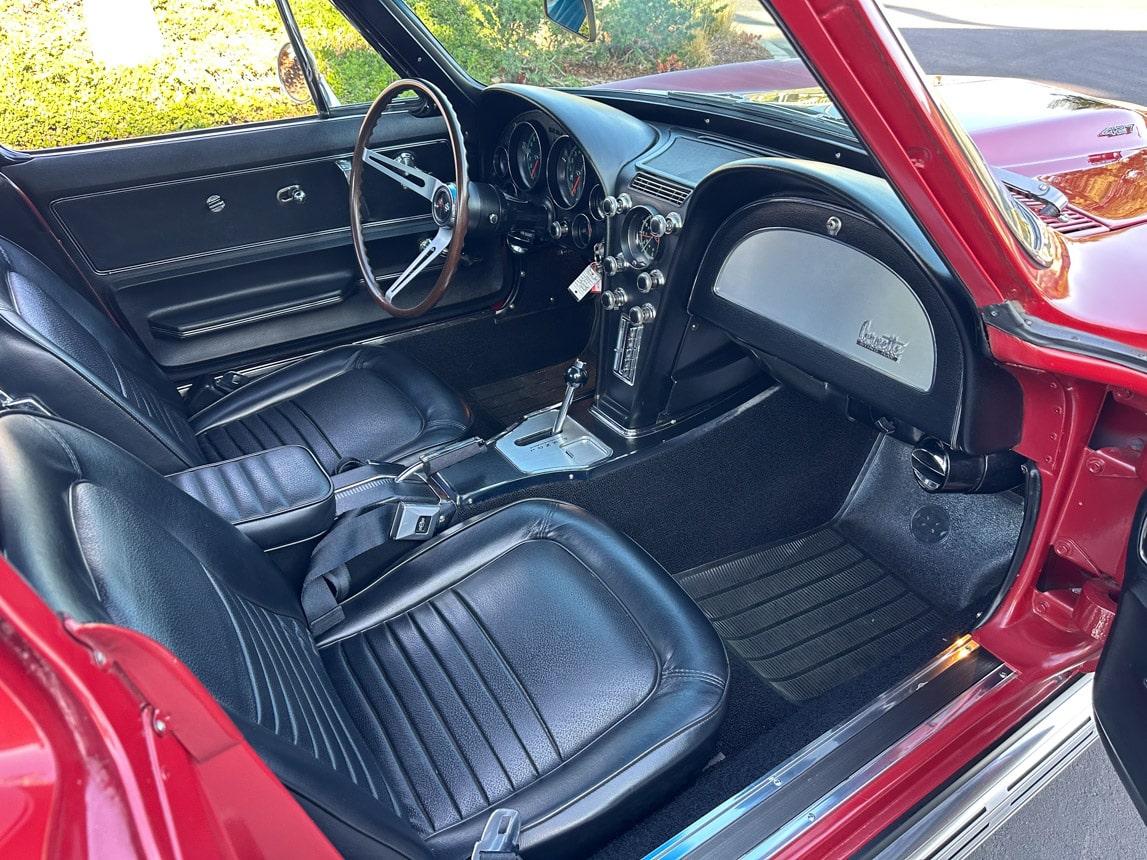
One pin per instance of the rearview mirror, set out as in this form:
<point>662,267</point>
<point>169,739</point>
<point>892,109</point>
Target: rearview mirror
<point>573,15</point>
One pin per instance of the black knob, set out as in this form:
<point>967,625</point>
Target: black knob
<point>577,375</point>
<point>650,280</point>
<point>613,300</point>
<point>613,265</point>
<point>658,226</point>
<point>616,205</point>
<point>642,314</point>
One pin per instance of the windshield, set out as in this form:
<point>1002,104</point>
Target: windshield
<point>726,50</point>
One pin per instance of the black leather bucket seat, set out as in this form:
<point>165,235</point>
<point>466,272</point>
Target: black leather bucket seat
<point>354,402</point>
<point>533,658</point>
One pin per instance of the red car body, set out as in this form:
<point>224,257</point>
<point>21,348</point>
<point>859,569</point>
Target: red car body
<point>109,747</point>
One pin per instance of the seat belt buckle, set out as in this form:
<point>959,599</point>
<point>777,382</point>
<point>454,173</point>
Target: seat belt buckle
<point>417,520</point>
<point>230,381</point>
<point>500,838</point>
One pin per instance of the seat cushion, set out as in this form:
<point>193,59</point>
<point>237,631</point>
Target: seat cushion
<point>534,659</point>
<point>357,402</point>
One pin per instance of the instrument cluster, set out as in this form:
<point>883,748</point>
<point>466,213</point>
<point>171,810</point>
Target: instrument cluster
<point>537,160</point>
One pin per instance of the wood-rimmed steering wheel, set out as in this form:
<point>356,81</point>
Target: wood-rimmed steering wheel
<point>449,201</point>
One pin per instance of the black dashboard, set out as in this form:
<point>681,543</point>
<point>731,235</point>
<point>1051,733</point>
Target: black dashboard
<point>723,259</point>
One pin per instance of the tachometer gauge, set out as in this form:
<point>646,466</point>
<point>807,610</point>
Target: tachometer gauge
<point>527,156</point>
<point>567,173</point>
<point>641,243</point>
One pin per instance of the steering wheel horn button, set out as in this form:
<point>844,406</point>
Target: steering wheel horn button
<point>443,205</point>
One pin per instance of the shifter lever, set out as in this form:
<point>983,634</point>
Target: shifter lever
<point>576,377</point>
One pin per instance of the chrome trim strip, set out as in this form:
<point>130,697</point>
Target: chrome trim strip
<point>661,427</point>
<point>987,797</point>
<point>694,837</point>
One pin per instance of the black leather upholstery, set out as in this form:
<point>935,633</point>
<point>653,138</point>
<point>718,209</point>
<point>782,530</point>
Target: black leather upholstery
<point>276,497</point>
<point>365,403</point>
<point>533,658</point>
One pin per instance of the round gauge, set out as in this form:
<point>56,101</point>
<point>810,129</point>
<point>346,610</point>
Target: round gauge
<point>567,173</point>
<point>641,243</point>
<point>581,231</point>
<point>596,202</point>
<point>526,155</point>
<point>501,163</point>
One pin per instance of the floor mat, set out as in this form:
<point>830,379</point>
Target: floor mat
<point>507,400</point>
<point>809,613</point>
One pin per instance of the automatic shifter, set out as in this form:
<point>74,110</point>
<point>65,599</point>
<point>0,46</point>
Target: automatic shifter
<point>576,377</point>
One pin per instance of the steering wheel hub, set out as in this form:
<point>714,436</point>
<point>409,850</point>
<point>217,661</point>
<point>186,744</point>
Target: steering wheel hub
<point>443,205</point>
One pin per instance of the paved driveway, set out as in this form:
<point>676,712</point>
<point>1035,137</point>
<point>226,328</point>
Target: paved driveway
<point>1094,46</point>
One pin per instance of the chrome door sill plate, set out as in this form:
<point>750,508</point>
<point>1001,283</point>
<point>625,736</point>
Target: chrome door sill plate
<point>761,819</point>
<point>957,822</point>
<point>575,448</point>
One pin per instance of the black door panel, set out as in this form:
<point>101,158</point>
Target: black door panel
<point>1121,679</point>
<point>266,275</point>
<point>271,309</point>
<point>167,222</point>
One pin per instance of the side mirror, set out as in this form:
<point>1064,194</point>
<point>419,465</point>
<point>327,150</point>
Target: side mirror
<point>291,75</point>
<point>573,15</point>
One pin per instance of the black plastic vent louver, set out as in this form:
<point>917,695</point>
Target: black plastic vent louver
<point>1071,222</point>
<point>663,189</point>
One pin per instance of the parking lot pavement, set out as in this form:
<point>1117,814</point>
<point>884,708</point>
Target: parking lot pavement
<point>1083,813</point>
<point>1093,46</point>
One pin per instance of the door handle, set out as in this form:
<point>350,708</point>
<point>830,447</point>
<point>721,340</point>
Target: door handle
<point>291,194</point>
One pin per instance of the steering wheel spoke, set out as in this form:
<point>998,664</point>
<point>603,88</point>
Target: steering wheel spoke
<point>409,177</point>
<point>429,251</point>
<point>448,202</point>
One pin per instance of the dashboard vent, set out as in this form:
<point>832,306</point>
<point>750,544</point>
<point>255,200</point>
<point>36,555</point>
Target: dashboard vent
<point>663,189</point>
<point>1071,222</point>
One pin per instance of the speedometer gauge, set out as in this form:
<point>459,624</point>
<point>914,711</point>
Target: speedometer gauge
<point>641,242</point>
<point>527,156</point>
<point>567,173</point>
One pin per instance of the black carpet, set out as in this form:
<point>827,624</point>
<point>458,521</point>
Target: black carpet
<point>762,730</point>
<point>810,613</point>
<point>776,470</point>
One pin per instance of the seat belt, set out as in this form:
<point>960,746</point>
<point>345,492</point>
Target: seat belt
<point>322,592</point>
<point>352,537</point>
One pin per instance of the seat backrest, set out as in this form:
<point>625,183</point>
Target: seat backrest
<point>104,538</point>
<point>59,348</point>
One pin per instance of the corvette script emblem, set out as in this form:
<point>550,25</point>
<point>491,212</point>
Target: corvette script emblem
<point>887,345</point>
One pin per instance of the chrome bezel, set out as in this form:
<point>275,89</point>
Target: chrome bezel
<point>637,257</point>
<point>516,141</point>
<point>563,198</point>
